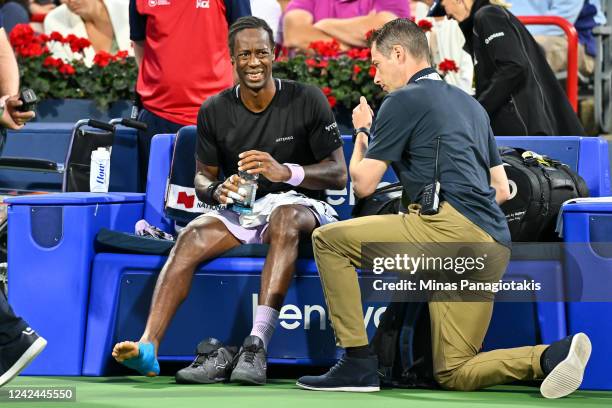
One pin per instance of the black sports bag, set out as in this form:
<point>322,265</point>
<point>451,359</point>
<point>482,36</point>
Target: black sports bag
<point>385,200</point>
<point>402,340</point>
<point>539,186</point>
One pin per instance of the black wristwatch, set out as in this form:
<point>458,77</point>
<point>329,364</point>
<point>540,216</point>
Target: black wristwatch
<point>361,130</point>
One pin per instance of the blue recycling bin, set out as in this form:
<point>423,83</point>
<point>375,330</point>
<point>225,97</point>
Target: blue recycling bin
<point>587,230</point>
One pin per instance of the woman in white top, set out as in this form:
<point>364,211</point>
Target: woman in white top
<point>446,42</point>
<point>105,23</point>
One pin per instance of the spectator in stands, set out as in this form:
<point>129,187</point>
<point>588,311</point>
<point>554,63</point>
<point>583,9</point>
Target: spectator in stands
<point>104,23</point>
<point>23,11</point>
<point>19,344</point>
<point>301,156</point>
<point>270,11</point>
<point>183,59</point>
<point>446,42</point>
<point>553,39</point>
<point>348,22</point>
<point>14,12</point>
<point>513,81</point>
<point>418,110</point>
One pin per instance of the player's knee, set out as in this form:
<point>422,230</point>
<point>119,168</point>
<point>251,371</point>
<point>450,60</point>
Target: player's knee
<point>285,223</point>
<point>191,239</point>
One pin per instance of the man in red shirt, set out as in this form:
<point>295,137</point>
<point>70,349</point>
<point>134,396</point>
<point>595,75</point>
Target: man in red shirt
<point>183,58</point>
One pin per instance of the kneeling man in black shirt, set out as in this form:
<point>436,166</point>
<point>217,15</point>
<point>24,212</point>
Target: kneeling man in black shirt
<point>284,132</point>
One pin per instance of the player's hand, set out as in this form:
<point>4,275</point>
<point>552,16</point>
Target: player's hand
<point>227,193</point>
<point>362,114</point>
<point>12,118</point>
<point>256,162</point>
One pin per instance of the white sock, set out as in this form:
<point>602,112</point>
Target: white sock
<point>265,323</point>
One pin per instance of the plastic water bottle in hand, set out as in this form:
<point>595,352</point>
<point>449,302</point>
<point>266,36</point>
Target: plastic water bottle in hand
<point>248,190</point>
<point>100,171</point>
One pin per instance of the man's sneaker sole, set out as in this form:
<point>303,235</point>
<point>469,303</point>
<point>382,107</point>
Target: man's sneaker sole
<point>245,380</point>
<point>566,377</point>
<point>25,359</point>
<point>339,389</point>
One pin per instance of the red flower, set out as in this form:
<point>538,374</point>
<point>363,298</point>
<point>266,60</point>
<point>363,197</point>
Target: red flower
<point>43,38</point>
<point>66,69</point>
<point>425,25</point>
<point>326,90</point>
<point>311,62</point>
<point>31,50</point>
<point>70,38</point>
<point>121,55</point>
<point>82,43</point>
<point>325,48</point>
<point>21,35</point>
<point>372,71</point>
<point>102,58</point>
<point>359,53</point>
<point>447,65</point>
<point>332,101</point>
<point>55,36</point>
<point>353,53</point>
<point>322,64</point>
<point>77,44</point>
<point>369,34</point>
<point>356,69</point>
<point>51,62</point>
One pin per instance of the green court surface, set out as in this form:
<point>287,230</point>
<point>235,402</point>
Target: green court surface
<point>119,392</point>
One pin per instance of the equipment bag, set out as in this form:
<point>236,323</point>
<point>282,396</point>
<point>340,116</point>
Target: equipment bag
<point>539,186</point>
<point>402,340</point>
<point>402,343</point>
<point>385,200</point>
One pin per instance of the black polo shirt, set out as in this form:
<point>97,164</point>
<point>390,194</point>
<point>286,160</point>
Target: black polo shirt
<point>407,124</point>
<point>298,126</point>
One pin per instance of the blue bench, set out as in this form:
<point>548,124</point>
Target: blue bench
<point>83,302</point>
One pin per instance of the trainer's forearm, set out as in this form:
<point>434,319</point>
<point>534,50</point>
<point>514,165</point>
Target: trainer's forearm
<point>358,172</point>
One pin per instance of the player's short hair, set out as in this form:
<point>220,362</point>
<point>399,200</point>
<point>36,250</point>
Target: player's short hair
<point>244,23</point>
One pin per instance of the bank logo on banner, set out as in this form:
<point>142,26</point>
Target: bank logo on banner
<point>185,199</point>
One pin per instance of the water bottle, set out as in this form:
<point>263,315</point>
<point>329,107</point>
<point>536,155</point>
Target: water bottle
<point>249,188</point>
<point>99,171</point>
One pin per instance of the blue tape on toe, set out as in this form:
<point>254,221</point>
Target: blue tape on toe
<point>146,361</point>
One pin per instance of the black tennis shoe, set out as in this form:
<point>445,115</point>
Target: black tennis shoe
<point>213,364</point>
<point>251,366</point>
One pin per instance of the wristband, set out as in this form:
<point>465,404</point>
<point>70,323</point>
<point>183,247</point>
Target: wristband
<point>297,174</point>
<point>208,196</point>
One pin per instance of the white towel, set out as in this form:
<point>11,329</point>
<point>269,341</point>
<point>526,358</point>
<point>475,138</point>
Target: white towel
<point>263,208</point>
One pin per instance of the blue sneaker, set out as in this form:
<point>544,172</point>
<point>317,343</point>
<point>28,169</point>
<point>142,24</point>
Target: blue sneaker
<point>349,374</point>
